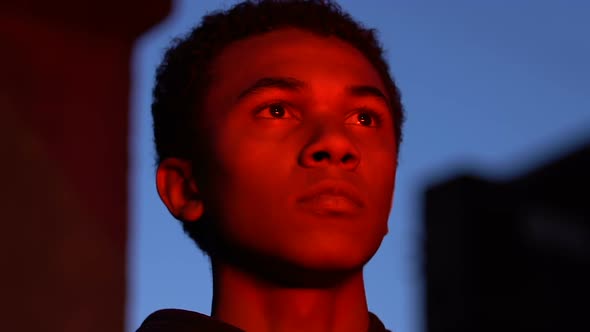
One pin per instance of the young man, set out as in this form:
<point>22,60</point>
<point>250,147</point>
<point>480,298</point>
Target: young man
<point>277,128</point>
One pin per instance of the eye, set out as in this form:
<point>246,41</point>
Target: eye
<point>365,118</point>
<point>274,111</point>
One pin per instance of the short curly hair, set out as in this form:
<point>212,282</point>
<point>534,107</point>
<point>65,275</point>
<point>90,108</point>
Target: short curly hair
<point>183,77</point>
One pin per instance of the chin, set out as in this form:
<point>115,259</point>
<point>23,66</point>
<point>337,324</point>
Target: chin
<point>312,265</point>
<point>326,261</point>
<point>322,269</point>
<point>334,250</point>
<point>335,257</point>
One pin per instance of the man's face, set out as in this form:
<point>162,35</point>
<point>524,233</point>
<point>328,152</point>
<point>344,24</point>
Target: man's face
<point>304,153</point>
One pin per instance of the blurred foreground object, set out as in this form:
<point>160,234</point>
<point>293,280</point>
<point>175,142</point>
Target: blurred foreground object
<point>511,255</point>
<point>64,96</point>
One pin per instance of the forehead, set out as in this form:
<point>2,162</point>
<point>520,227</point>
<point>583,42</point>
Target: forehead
<point>320,61</point>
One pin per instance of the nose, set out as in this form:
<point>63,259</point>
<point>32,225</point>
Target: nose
<point>330,146</point>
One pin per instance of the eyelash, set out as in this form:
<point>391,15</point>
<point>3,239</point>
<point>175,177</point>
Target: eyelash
<point>377,117</point>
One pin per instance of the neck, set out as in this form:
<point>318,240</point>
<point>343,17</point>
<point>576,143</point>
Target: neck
<point>262,306</point>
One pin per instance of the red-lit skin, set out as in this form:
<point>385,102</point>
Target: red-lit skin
<point>261,165</point>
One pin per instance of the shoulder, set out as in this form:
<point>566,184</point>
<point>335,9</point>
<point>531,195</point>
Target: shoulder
<point>375,324</point>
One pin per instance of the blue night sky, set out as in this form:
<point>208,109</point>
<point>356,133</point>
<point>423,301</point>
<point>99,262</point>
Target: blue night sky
<point>490,86</point>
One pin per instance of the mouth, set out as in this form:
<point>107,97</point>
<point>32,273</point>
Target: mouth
<point>332,198</point>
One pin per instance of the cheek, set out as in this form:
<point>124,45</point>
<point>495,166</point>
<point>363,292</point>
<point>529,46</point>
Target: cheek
<point>250,182</point>
<point>381,180</point>
<point>248,162</point>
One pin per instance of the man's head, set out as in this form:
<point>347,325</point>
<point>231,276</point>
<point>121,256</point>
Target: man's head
<point>277,128</point>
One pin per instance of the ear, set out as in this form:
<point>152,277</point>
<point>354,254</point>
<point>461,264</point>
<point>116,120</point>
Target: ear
<point>178,190</point>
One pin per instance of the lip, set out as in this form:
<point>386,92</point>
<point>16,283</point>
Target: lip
<point>332,197</point>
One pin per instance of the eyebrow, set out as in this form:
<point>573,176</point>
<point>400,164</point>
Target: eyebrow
<point>282,83</point>
<point>367,91</point>
<point>294,85</point>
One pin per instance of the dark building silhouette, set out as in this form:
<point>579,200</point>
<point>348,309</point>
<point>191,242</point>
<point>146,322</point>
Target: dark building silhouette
<point>64,104</point>
<point>510,255</point>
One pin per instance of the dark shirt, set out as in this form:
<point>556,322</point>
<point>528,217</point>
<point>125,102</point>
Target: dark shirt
<point>176,320</point>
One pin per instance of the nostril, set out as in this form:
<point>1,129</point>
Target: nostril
<point>348,158</point>
<point>320,155</point>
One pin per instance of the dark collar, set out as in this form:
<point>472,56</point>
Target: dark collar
<point>177,320</point>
